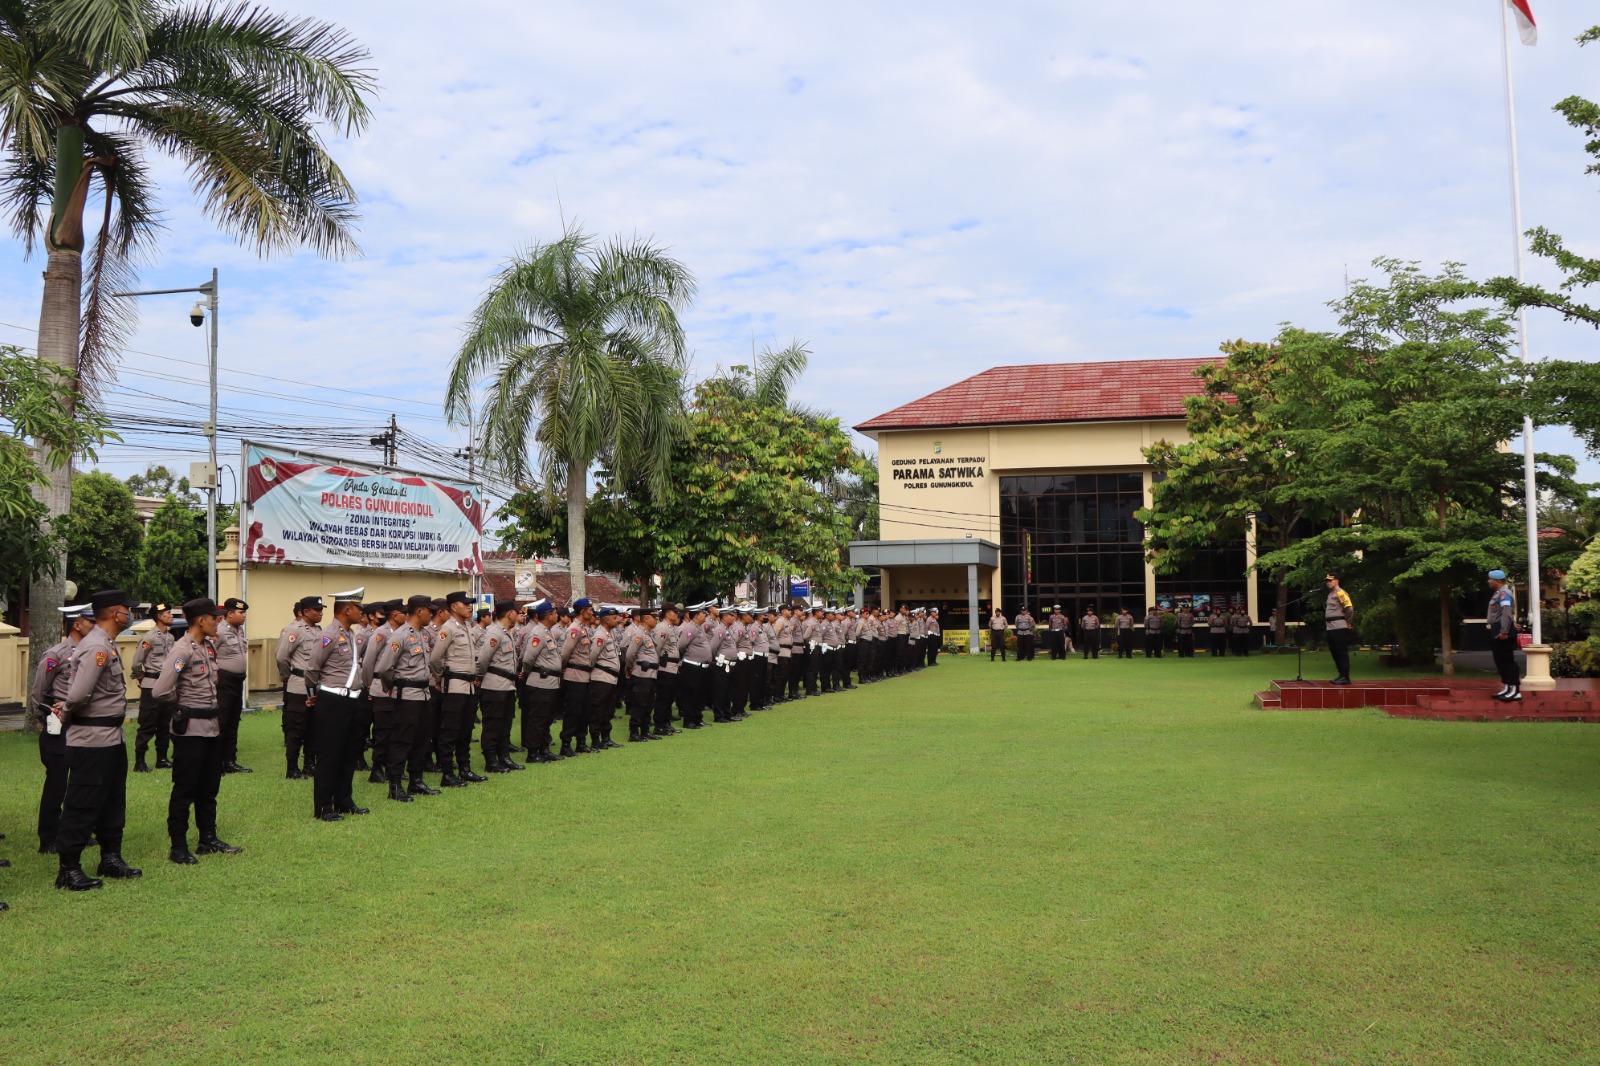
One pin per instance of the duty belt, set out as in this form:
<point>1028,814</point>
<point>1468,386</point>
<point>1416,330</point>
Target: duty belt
<point>148,676</point>
<point>402,683</point>
<point>542,672</point>
<point>295,671</point>
<point>103,720</point>
<point>607,670</point>
<point>451,675</point>
<point>230,673</point>
<point>507,674</point>
<point>347,693</point>
<point>199,713</point>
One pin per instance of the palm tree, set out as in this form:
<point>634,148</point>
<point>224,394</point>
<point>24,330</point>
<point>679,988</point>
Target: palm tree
<point>772,377</point>
<point>96,87</point>
<point>577,349</point>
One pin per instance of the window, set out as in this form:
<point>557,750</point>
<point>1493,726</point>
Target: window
<point>1071,539</point>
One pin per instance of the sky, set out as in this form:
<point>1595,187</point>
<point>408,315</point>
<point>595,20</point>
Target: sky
<point>917,191</point>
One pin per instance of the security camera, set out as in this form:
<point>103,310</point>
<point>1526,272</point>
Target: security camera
<point>197,314</point>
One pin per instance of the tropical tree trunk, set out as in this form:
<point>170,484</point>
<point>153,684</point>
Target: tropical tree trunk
<point>1449,653</point>
<point>1283,608</point>
<point>577,507</point>
<point>60,315</point>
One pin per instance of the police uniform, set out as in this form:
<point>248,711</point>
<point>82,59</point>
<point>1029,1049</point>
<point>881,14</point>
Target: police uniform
<point>1058,633</point>
<point>1186,634</point>
<point>696,643</point>
<point>1239,627</point>
<point>497,665</point>
<point>641,660</point>
<point>454,661</point>
<point>671,660</point>
<point>935,638</point>
<point>577,662</point>
<point>50,684</point>
<point>154,719</point>
<point>605,679</point>
<point>997,634</point>
<point>763,653</point>
<point>379,695</point>
<point>233,653</point>
<point>1090,626</point>
<point>294,647</point>
<point>333,678</point>
<point>189,685</point>
<point>1025,628</point>
<point>1338,615</point>
<point>1152,634</point>
<point>541,680</point>
<point>1502,621</point>
<point>402,667</point>
<point>97,755</point>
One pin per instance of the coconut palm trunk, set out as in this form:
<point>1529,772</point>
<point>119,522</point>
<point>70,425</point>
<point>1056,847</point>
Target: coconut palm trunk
<point>577,510</point>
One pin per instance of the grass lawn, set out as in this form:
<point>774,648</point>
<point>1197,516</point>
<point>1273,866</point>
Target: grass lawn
<point>1081,862</point>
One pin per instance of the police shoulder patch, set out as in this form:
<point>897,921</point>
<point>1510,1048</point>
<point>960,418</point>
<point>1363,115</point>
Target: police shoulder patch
<point>494,642</point>
<point>394,645</point>
<point>100,658</point>
<point>177,664</point>
<point>291,638</point>
<point>326,641</point>
<point>49,664</point>
<point>533,640</point>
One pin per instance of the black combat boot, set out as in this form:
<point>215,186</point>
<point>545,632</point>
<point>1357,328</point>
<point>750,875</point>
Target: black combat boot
<point>492,764</point>
<point>74,879</point>
<point>508,762</point>
<point>377,777</point>
<point>419,787</point>
<point>215,845</point>
<point>397,791</point>
<point>139,765</point>
<point>450,780</point>
<point>180,855</point>
<point>111,865</point>
<point>566,750</point>
<point>361,761</point>
<point>162,762</point>
<point>467,773</point>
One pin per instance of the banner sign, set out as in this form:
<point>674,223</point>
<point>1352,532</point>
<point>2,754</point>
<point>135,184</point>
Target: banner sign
<point>310,510</point>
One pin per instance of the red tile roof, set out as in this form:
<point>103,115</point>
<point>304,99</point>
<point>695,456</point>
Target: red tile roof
<point>1053,392</point>
<point>558,587</point>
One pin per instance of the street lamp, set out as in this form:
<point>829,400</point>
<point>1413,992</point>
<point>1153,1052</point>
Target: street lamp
<point>197,315</point>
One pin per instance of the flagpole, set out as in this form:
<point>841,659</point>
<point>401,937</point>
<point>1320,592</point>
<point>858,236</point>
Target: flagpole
<point>1530,493</point>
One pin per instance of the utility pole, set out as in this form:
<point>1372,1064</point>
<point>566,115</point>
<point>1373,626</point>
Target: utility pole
<point>389,441</point>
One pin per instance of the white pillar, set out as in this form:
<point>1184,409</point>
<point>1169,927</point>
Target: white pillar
<point>972,608</point>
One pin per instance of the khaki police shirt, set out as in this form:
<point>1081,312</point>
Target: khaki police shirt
<point>49,682</point>
<point>607,656</point>
<point>233,649</point>
<point>404,657</point>
<point>334,662</point>
<point>497,658</point>
<point>294,649</point>
<point>98,690</point>
<point>640,653</point>
<point>456,652</point>
<point>666,638</point>
<point>151,654</point>
<point>189,680</point>
<point>541,658</point>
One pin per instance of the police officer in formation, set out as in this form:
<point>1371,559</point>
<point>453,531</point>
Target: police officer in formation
<point>154,717</point>
<point>295,643</point>
<point>232,649</point>
<point>1152,633</point>
<point>1025,625</point>
<point>50,691</point>
<point>332,674</point>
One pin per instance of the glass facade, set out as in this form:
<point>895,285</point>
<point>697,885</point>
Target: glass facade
<point>1071,539</point>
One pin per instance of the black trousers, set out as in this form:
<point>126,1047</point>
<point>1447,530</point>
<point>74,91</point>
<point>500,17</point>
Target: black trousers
<point>296,728</point>
<point>693,680</point>
<point>409,737</point>
<point>538,716</point>
<point>1185,645</point>
<point>1091,644</point>
<point>383,712</point>
<point>1024,647</point>
<point>827,667</point>
<point>641,703</point>
<point>155,722</point>
<point>1124,644</point>
<point>866,658</point>
<point>1505,660</point>
<point>1152,643</point>
<point>721,690</point>
<point>1218,643</point>
<point>760,668</point>
<point>457,710</point>
<point>499,708</point>
<point>799,672</point>
<point>230,705</point>
<point>96,801</point>
<point>1241,644</point>
<point>196,778</point>
<point>1339,648</point>
<point>666,691</point>
<point>602,708</point>
<point>997,643</point>
<point>337,743</point>
<point>53,755</point>
<point>1058,644</point>
<point>739,693</point>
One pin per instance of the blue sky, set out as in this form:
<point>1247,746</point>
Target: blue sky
<point>917,190</point>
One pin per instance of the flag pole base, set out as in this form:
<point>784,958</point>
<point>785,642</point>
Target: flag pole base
<point>1537,678</point>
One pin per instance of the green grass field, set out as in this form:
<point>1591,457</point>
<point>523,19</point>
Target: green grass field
<point>1029,863</point>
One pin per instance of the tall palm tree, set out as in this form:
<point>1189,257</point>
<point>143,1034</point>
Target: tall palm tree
<point>577,350</point>
<point>96,87</point>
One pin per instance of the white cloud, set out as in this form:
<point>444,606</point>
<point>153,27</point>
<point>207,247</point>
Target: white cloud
<point>919,190</point>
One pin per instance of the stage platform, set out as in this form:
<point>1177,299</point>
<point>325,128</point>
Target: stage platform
<point>1442,699</point>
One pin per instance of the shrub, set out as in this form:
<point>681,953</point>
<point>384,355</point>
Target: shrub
<point>1579,658</point>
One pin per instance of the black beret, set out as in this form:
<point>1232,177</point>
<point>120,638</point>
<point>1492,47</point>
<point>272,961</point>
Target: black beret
<point>100,601</point>
<point>198,607</point>
<point>417,603</point>
<point>457,597</point>
<point>234,603</point>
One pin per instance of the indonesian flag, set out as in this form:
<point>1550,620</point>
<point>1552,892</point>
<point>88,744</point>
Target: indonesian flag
<point>1525,24</point>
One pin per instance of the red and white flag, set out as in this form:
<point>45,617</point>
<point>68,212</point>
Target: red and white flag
<point>1525,24</point>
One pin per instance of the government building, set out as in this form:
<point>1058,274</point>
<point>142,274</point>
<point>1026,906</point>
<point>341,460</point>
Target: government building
<point>1019,486</point>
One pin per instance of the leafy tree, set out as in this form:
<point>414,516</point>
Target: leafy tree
<point>159,481</point>
<point>172,559</point>
<point>1400,417</point>
<point>97,88</point>
<point>1237,463</point>
<point>103,533</point>
<point>36,412</point>
<point>577,348</point>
